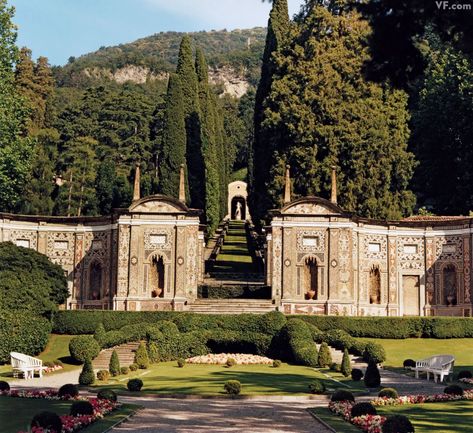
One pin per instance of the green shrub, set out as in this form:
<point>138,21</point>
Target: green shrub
<point>342,395</point>
<point>374,352</point>
<point>232,387</point>
<point>114,364</point>
<point>49,421</point>
<point>81,408</point>
<point>356,374</point>
<point>345,367</point>
<point>141,357</point>
<point>364,408</point>
<point>296,336</point>
<point>134,385</point>
<point>134,367</point>
<point>464,374</point>
<point>228,341</point>
<point>277,363</point>
<point>99,334</point>
<point>84,347</point>
<point>372,377</point>
<point>4,386</point>
<point>388,393</point>
<point>335,367</point>
<point>69,390</point>
<point>407,363</point>
<point>316,387</point>
<point>398,424</point>
<point>87,376</point>
<point>230,362</point>
<point>124,370</point>
<point>22,332</point>
<point>181,362</point>
<point>453,390</point>
<point>107,394</point>
<point>103,375</point>
<point>271,323</point>
<point>324,358</point>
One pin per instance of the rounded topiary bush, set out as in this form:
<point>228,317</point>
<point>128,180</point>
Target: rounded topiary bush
<point>230,362</point>
<point>316,387</point>
<point>388,393</point>
<point>134,385</point>
<point>408,363</point>
<point>81,408</point>
<point>364,408</point>
<point>68,390</point>
<point>356,374</point>
<point>49,421</point>
<point>133,367</point>
<point>465,374</point>
<point>335,367</point>
<point>271,323</point>
<point>4,386</point>
<point>372,377</point>
<point>277,363</point>
<point>124,370</point>
<point>374,352</point>
<point>181,362</point>
<point>232,387</point>
<point>107,394</point>
<point>398,424</point>
<point>342,395</point>
<point>103,375</point>
<point>454,390</point>
<point>114,364</point>
<point>87,376</point>
<point>324,358</point>
<point>84,347</point>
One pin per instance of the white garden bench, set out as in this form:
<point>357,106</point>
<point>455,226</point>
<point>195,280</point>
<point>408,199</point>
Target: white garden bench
<point>438,365</point>
<point>26,365</point>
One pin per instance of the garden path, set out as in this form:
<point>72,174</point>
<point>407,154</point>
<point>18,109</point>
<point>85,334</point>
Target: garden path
<point>55,380</point>
<point>222,416</point>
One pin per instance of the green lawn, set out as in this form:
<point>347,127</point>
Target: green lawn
<point>167,378</point>
<point>234,255</point>
<point>417,348</point>
<point>57,348</point>
<point>26,408</point>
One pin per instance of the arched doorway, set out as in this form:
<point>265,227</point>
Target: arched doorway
<point>157,277</point>
<point>238,208</point>
<point>311,278</point>
<point>375,285</point>
<point>95,282</point>
<point>449,285</point>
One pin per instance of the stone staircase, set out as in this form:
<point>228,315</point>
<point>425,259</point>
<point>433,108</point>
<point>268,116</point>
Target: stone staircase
<point>125,352</point>
<point>231,306</point>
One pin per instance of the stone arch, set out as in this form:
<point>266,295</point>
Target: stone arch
<point>375,285</point>
<point>311,277</point>
<point>157,276</point>
<point>238,208</point>
<point>94,292</point>
<point>238,192</point>
<point>449,284</point>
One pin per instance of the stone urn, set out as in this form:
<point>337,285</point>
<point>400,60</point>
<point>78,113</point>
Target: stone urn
<point>310,294</point>
<point>156,293</point>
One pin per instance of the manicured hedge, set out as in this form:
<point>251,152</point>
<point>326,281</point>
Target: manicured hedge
<point>225,341</point>
<point>22,332</point>
<point>396,327</point>
<point>295,343</point>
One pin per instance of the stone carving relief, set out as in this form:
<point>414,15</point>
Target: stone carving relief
<point>60,248</point>
<point>466,269</point>
<point>316,244</point>
<point>392,297</point>
<point>411,252</point>
<point>191,262</point>
<point>156,207</point>
<point>24,238</point>
<point>123,253</point>
<point>309,208</point>
<point>158,239</point>
<point>371,254</point>
<point>277,261</point>
<point>449,248</point>
<point>344,263</point>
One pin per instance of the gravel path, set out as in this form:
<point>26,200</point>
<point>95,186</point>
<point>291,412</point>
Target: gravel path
<point>47,381</point>
<point>243,416</point>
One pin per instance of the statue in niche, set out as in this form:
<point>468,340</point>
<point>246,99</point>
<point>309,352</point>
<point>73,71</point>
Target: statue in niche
<point>450,285</point>
<point>375,285</point>
<point>238,211</point>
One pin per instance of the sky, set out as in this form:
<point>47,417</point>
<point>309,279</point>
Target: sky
<point>59,29</point>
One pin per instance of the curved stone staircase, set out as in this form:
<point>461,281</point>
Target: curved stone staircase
<point>125,352</point>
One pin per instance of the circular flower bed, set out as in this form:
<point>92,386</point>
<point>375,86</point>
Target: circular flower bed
<point>221,359</point>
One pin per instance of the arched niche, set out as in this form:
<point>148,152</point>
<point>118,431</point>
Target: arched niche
<point>375,285</point>
<point>95,281</point>
<point>311,278</point>
<point>449,285</point>
<point>157,277</point>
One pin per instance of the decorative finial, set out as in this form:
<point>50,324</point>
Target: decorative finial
<point>333,197</point>
<point>182,185</point>
<point>136,186</point>
<point>287,185</point>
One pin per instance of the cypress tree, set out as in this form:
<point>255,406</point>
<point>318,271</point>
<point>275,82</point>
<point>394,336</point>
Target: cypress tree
<point>345,367</point>
<point>173,152</point>
<point>114,364</point>
<point>209,144</point>
<point>195,163</point>
<point>104,186</point>
<point>258,164</point>
<point>87,376</point>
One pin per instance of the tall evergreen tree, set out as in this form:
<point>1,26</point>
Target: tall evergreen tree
<point>173,152</point>
<point>104,185</point>
<point>195,162</point>
<point>210,145</point>
<point>321,112</point>
<point>259,169</point>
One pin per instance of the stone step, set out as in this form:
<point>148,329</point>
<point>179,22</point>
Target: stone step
<point>125,352</point>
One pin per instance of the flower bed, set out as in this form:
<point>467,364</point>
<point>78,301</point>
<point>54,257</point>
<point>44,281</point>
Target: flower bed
<point>221,358</point>
<point>466,380</point>
<point>70,424</point>
<point>373,423</point>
